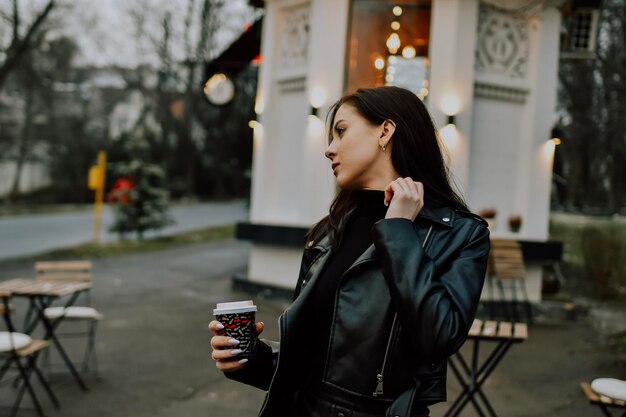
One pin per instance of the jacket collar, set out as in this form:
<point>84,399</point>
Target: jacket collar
<point>440,215</point>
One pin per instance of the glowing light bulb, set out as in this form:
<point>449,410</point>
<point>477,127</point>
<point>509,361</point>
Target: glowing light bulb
<point>393,41</point>
<point>408,52</point>
<point>259,105</point>
<point>450,105</point>
<point>315,127</point>
<point>548,149</point>
<point>395,25</point>
<point>391,69</point>
<point>393,60</point>
<point>318,97</point>
<point>397,11</point>
<point>379,63</point>
<point>449,135</point>
<point>389,78</point>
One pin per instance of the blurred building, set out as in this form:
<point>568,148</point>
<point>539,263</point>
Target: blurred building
<point>486,69</point>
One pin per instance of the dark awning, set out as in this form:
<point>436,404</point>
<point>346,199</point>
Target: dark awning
<point>239,54</point>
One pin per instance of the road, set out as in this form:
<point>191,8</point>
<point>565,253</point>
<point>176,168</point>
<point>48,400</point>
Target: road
<point>32,234</point>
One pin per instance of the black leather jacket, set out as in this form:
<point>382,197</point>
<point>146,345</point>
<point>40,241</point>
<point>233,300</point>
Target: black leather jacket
<point>430,272</point>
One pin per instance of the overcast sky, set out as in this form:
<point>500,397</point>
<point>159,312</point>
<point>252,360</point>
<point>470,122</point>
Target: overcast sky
<point>105,30</point>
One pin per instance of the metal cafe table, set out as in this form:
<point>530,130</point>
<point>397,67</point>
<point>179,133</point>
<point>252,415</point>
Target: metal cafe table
<point>41,294</point>
<point>503,334</point>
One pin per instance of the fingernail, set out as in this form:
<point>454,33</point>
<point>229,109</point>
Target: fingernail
<point>233,341</point>
<point>220,326</point>
<point>243,361</point>
<point>235,352</point>
<point>261,323</point>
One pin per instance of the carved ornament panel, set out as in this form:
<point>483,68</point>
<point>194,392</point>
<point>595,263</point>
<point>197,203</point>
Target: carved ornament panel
<point>294,39</point>
<point>503,45</point>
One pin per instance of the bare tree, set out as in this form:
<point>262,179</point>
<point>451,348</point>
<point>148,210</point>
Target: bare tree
<point>22,39</point>
<point>173,101</point>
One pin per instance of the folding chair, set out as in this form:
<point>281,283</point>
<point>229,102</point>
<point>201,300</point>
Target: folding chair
<point>79,271</point>
<point>506,265</point>
<point>20,350</point>
<point>605,403</point>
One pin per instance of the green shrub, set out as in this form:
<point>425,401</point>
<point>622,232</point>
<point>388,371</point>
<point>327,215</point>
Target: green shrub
<point>594,253</point>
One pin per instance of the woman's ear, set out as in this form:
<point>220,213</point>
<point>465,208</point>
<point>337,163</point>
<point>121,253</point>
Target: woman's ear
<point>388,128</point>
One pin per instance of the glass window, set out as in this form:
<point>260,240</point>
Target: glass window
<point>388,45</point>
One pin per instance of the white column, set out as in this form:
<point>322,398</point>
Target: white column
<point>452,46</point>
<point>303,50</point>
<point>325,82</point>
<point>543,102</point>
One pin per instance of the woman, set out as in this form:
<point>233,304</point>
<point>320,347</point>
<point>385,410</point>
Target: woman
<point>390,279</point>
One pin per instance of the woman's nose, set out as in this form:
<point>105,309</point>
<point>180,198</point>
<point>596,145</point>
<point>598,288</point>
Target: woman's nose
<point>329,152</point>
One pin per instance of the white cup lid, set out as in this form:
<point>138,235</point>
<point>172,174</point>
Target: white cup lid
<point>235,307</point>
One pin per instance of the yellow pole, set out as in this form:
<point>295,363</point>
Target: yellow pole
<point>97,175</point>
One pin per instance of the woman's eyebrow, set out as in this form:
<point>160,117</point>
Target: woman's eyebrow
<point>338,121</point>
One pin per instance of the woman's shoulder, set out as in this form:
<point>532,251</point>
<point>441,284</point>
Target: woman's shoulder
<point>468,216</point>
<point>451,217</point>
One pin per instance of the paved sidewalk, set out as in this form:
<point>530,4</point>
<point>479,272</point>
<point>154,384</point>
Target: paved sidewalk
<point>154,349</point>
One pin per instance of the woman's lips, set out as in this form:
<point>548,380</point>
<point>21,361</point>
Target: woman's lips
<point>334,167</point>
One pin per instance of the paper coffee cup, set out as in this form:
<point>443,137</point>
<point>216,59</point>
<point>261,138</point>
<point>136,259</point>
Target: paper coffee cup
<point>239,321</point>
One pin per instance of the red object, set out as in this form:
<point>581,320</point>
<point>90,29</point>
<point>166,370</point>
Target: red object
<point>120,193</point>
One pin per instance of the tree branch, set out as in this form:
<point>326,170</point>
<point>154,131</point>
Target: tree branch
<point>20,46</point>
<point>16,23</point>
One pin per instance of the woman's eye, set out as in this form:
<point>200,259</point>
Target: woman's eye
<point>340,130</point>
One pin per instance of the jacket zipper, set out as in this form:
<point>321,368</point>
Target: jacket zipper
<point>380,376</point>
<point>379,386</point>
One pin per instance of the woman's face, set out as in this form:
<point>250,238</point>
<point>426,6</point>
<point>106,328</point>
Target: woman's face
<point>357,159</point>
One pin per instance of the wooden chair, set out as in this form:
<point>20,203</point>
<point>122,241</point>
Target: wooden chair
<point>79,271</point>
<point>21,350</point>
<point>605,403</point>
<point>506,265</point>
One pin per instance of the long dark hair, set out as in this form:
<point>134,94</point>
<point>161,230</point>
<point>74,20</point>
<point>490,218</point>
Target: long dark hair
<point>415,152</point>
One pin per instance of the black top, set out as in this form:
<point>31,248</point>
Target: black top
<point>356,239</point>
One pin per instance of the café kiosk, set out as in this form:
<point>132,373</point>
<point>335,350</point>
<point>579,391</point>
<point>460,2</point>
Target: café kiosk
<point>487,70</point>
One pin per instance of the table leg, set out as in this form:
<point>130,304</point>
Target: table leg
<point>452,410</point>
<point>49,335</point>
<point>31,322</point>
<point>471,387</point>
<point>476,377</point>
<point>25,373</point>
<point>32,362</point>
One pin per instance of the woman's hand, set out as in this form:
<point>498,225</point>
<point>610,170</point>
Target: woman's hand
<point>226,359</point>
<point>405,198</point>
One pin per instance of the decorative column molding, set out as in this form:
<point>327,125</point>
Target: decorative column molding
<point>497,92</point>
<point>502,48</point>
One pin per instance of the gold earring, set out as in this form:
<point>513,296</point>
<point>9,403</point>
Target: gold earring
<point>383,147</point>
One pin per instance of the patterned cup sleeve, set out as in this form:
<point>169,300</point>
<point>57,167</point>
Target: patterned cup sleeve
<point>240,326</point>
